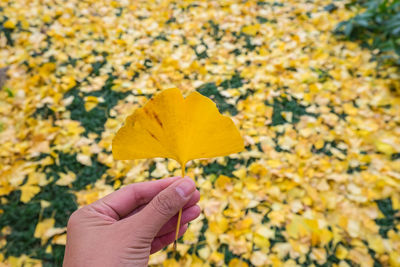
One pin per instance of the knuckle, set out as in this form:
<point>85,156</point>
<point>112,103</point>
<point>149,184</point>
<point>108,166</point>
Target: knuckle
<point>164,204</point>
<point>74,219</point>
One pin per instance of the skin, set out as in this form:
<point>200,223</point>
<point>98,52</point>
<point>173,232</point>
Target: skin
<point>125,227</point>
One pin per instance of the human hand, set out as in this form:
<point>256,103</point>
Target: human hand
<point>125,227</point>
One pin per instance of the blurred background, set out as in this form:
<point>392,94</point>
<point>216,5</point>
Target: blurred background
<point>313,87</point>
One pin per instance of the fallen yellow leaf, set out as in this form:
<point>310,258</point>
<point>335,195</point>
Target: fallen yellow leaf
<point>9,24</point>
<point>28,191</point>
<point>66,178</point>
<point>42,228</point>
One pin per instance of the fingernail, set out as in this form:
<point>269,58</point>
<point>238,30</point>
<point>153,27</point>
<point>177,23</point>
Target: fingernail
<point>185,188</point>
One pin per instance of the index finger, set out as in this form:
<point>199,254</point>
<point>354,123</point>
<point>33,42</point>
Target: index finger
<point>125,200</point>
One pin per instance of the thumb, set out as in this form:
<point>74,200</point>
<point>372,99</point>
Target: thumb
<point>165,205</point>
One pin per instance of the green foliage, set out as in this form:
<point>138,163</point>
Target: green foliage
<point>218,169</point>
<point>262,19</point>
<point>201,50</point>
<point>211,90</point>
<point>248,45</point>
<point>43,112</point>
<point>215,30</point>
<point>7,32</point>
<point>234,82</point>
<point>330,8</point>
<point>326,149</point>
<point>285,104</point>
<point>391,217</point>
<point>378,27</point>
<point>9,92</point>
<point>85,175</point>
<point>323,75</point>
<point>229,255</point>
<point>23,217</point>
<point>94,120</point>
<point>279,237</point>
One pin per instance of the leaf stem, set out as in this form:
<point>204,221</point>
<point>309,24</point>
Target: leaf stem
<point>179,214</point>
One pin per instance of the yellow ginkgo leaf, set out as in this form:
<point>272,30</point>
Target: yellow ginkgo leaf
<point>171,126</point>
<point>42,228</point>
<point>28,191</point>
<point>237,263</point>
<point>66,178</point>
